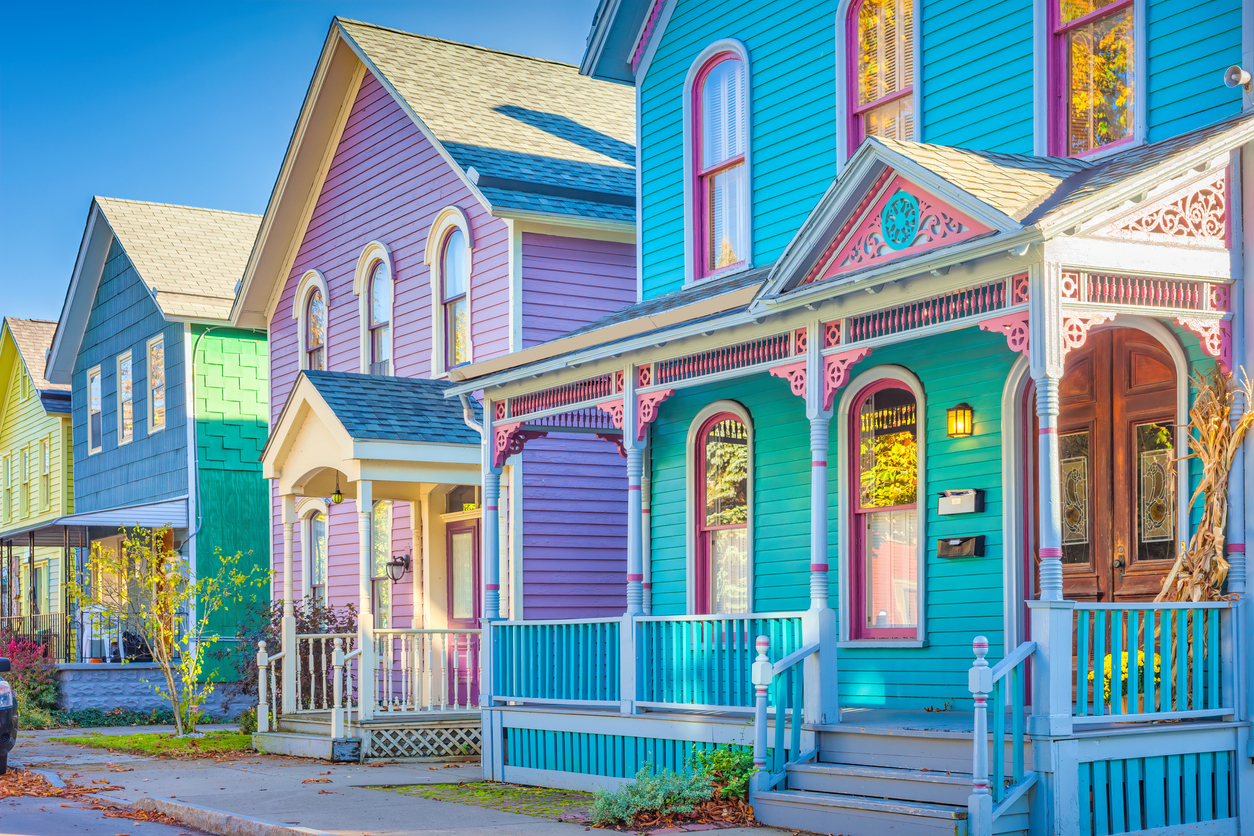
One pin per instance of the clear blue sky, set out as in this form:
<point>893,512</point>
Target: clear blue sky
<point>183,102</point>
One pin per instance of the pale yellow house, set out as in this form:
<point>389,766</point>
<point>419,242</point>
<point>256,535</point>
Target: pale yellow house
<point>36,488</point>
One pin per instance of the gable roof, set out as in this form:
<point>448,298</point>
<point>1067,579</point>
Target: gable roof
<point>417,408</point>
<point>33,338</point>
<point>189,258</point>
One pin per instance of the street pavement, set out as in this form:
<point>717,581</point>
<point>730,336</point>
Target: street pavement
<point>46,817</point>
<point>294,791</point>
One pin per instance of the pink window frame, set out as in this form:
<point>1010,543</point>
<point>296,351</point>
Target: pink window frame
<point>856,112</point>
<point>857,554</point>
<point>322,346</point>
<point>457,528</point>
<point>1059,62</point>
<point>701,567</point>
<point>373,326</point>
<point>446,300</point>
<point>701,175</point>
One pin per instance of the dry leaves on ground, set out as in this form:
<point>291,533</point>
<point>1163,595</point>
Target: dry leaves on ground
<point>717,811</point>
<point>21,783</point>
<point>316,781</point>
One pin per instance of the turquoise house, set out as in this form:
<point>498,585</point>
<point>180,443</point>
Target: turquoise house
<point>903,404</point>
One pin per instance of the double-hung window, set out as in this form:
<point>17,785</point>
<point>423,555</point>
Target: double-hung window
<point>95,425</point>
<point>156,384</point>
<point>380,319</point>
<point>721,174</point>
<point>380,555</point>
<point>126,399</point>
<point>8,487</point>
<point>881,70</point>
<point>722,516</point>
<point>454,299</point>
<point>45,473</point>
<point>1092,94</point>
<point>27,505</point>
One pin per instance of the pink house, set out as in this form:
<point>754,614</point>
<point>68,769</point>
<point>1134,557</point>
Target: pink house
<point>439,204</point>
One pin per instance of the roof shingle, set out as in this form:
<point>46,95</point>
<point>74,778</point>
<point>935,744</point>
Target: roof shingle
<point>416,409</point>
<point>33,338</point>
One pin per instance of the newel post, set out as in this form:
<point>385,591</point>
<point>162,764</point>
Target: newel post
<point>337,690</point>
<point>980,803</point>
<point>761,676</point>
<point>263,704</point>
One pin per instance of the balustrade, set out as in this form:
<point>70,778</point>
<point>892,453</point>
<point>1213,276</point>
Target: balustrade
<point>558,662</point>
<point>426,670</point>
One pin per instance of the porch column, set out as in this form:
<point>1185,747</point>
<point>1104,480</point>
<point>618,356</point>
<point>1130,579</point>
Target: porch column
<point>1048,487</point>
<point>820,671</point>
<point>365,615</point>
<point>646,544</point>
<point>820,426</point>
<point>491,533</point>
<point>288,643</point>
<point>635,518</point>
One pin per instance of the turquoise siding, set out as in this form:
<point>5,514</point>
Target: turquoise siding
<point>977,74</point>
<point>1191,43</point>
<point>611,755</point>
<point>152,467</point>
<point>1177,791</point>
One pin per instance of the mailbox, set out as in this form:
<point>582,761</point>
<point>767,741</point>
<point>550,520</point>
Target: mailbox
<point>960,546</point>
<point>965,501</point>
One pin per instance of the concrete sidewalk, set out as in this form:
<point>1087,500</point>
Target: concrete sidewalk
<point>292,791</point>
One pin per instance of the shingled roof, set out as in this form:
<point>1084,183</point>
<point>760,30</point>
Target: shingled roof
<point>190,258</point>
<point>33,337</point>
<point>386,408</point>
<point>519,122</point>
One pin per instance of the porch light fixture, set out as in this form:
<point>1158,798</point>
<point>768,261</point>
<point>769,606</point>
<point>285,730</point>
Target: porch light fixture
<point>338,496</point>
<point>398,566</point>
<point>961,421</point>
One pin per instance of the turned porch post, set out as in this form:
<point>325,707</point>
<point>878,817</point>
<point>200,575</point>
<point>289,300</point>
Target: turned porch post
<point>289,611</point>
<point>634,441</point>
<point>491,533</point>
<point>646,544</point>
<point>365,613</point>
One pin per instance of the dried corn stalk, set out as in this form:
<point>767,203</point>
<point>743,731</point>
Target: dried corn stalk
<point>1214,439</point>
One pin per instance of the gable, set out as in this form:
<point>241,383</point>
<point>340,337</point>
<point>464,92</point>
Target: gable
<point>1194,214</point>
<point>894,219</point>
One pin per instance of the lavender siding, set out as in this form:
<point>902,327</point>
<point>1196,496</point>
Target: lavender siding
<point>569,282</point>
<point>574,533</point>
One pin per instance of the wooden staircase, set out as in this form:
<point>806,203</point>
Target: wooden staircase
<point>874,780</point>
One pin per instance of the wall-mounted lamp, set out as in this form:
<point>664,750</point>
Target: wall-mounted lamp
<point>961,421</point>
<point>398,566</point>
<point>338,496</point>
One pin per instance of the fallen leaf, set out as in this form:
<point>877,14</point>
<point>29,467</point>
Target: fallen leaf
<point>316,781</point>
<point>324,773</point>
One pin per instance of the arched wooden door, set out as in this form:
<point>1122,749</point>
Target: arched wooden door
<point>1117,448</point>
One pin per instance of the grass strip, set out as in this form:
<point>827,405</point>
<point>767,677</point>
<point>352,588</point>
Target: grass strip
<point>165,745</point>
<point>565,805</point>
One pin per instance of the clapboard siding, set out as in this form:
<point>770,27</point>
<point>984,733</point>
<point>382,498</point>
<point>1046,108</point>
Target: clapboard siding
<point>569,282</point>
<point>154,466</point>
<point>574,536</point>
<point>1191,43</point>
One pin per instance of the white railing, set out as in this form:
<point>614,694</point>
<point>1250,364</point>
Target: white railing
<point>778,688</point>
<point>267,688</point>
<point>314,677</point>
<point>1004,683</point>
<point>426,670</point>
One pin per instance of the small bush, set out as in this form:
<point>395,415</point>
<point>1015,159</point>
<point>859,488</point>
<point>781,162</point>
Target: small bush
<point>247,721</point>
<point>31,717</point>
<point>32,672</point>
<point>727,766</point>
<point>661,794</point>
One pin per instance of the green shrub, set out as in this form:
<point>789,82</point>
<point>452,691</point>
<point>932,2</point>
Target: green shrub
<point>728,768</point>
<point>33,716</point>
<point>247,720</point>
<point>663,793</point>
<point>32,672</point>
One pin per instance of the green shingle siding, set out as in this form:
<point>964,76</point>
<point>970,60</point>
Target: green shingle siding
<point>1190,45</point>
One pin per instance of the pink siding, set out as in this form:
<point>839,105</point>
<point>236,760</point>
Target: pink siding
<point>574,528</point>
<point>569,282</point>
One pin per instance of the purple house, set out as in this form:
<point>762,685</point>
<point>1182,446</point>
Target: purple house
<point>439,205</point>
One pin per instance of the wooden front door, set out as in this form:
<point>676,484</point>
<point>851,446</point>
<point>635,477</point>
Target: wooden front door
<point>1116,440</point>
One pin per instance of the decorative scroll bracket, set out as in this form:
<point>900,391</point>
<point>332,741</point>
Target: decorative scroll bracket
<point>1015,327</point>
<point>1076,326</point>
<point>1216,337</point>
<point>836,372</point>
<point>615,410</point>
<point>646,409</point>
<point>616,439</point>
<point>795,374</point>
<point>509,440</point>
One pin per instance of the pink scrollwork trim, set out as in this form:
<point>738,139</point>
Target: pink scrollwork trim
<point>616,439</point>
<point>1215,335</point>
<point>646,409</point>
<point>1019,289</point>
<point>615,410</point>
<point>1076,326</point>
<point>1014,326</point>
<point>1197,212</point>
<point>795,374</point>
<point>831,334</point>
<point>836,372</point>
<point>509,440</point>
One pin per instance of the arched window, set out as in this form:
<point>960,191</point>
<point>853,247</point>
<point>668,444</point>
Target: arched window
<point>380,554</point>
<point>720,170</point>
<point>380,319</point>
<point>722,515</point>
<point>315,331</point>
<point>880,48</point>
<point>315,541</point>
<point>885,525</point>
<point>454,302</point>
<point>1091,80</point>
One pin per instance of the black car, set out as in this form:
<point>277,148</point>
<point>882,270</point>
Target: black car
<point>8,718</point>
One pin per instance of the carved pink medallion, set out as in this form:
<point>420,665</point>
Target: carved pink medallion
<point>1014,326</point>
<point>615,410</point>
<point>646,409</point>
<point>836,372</point>
<point>795,374</point>
<point>1216,337</point>
<point>1076,326</point>
<point>509,440</point>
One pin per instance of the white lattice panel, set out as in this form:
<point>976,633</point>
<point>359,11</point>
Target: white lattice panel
<point>431,742</point>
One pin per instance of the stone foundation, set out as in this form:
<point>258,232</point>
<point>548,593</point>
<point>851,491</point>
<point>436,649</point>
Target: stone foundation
<point>108,686</point>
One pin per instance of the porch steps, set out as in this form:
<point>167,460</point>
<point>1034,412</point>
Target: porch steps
<point>304,745</point>
<point>885,780</point>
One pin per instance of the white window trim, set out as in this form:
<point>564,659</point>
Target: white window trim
<point>373,252</point>
<point>690,199</point>
<point>312,279</point>
<point>693,491</point>
<point>152,428</point>
<point>842,80</point>
<point>121,439</point>
<point>901,375</point>
<point>1041,37</point>
<point>306,507</point>
<point>448,219</point>
<point>91,451</point>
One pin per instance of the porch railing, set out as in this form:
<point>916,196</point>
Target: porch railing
<point>991,794</point>
<point>267,688</point>
<point>558,662</point>
<point>426,670</point>
<point>698,662</point>
<point>781,687</point>
<point>314,674</point>
<point>1147,662</point>
<point>54,631</point>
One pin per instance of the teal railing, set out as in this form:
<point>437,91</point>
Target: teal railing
<point>1147,661</point>
<point>1002,685</point>
<point>704,662</point>
<point>559,662</point>
<point>782,685</point>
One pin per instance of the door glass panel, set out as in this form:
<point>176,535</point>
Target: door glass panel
<point>1156,495</point>
<point>729,565</point>
<point>892,539</point>
<point>463,593</point>
<point>1074,452</point>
